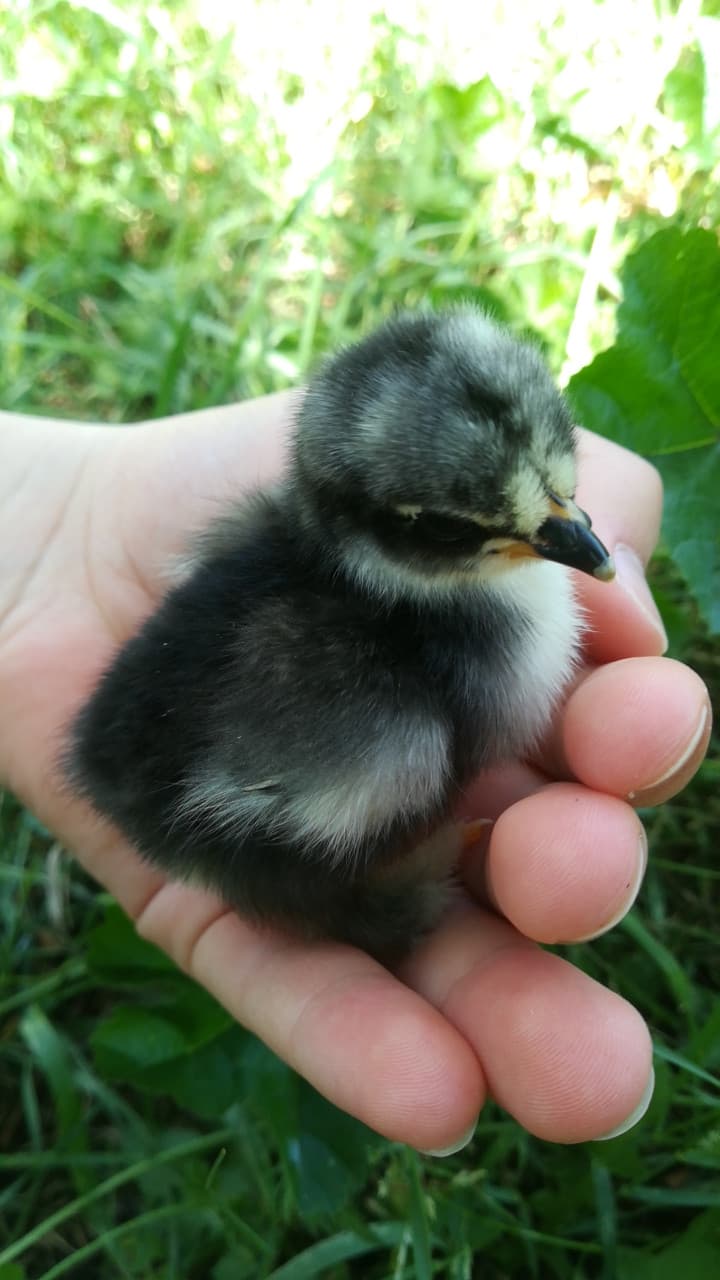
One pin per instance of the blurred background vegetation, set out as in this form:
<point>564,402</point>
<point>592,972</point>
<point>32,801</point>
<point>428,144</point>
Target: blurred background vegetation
<point>195,202</point>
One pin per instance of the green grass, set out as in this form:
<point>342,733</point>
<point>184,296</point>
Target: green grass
<point>166,243</point>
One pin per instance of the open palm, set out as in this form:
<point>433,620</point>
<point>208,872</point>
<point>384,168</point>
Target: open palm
<point>92,518</point>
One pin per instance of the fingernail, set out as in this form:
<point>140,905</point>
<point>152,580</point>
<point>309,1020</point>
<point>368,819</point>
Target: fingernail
<point>631,576</point>
<point>678,765</point>
<point>455,1146</point>
<point>640,868</point>
<point>635,1116</point>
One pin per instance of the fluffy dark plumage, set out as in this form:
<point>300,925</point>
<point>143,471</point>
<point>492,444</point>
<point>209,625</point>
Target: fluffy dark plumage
<point>302,712</point>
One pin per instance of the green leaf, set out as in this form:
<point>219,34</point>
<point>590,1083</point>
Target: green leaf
<point>684,93</point>
<point>133,1038</point>
<point>473,109</point>
<point>708,38</point>
<point>328,1150</point>
<point>690,524</point>
<point>207,1081</point>
<point>236,1266</point>
<point>324,1183</point>
<point>657,391</point>
<point>271,1091</point>
<point>116,953</point>
<point>693,1255</point>
<point>195,1013</point>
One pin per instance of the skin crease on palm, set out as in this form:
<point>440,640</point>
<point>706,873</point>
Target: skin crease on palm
<point>91,519</point>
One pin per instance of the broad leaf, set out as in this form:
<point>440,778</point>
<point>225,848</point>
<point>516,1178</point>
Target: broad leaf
<point>657,390</point>
<point>133,1038</point>
<point>693,1255</point>
<point>117,953</point>
<point>325,1184</point>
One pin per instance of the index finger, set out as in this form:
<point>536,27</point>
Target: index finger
<point>371,1045</point>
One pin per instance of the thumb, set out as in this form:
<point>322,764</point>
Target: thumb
<point>623,494</point>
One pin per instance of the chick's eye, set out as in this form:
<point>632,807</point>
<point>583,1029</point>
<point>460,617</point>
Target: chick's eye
<point>558,496</point>
<point>432,530</point>
<point>440,528</point>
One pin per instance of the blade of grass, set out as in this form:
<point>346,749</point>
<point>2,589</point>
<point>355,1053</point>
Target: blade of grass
<point>606,1211</point>
<point>38,303</point>
<point>179,1152</point>
<point>54,1057</point>
<point>419,1222</point>
<point>86,1251</point>
<point>679,1060</point>
<point>310,320</point>
<point>680,985</point>
<point>62,979</point>
<point>339,1248</point>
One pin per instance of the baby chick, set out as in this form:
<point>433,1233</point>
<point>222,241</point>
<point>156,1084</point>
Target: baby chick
<point>296,722</point>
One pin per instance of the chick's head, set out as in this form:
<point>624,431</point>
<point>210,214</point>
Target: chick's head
<point>438,451</point>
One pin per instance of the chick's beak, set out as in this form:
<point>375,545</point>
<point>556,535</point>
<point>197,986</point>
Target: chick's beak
<point>566,536</point>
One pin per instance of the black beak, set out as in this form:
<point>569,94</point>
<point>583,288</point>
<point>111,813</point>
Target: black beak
<point>569,540</point>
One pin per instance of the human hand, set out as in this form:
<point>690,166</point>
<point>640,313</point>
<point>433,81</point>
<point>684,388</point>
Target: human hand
<point>91,527</point>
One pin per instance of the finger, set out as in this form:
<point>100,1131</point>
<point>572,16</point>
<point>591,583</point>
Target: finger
<point>370,1045</point>
<point>621,491</point>
<point>623,494</point>
<point>637,729</point>
<point>564,864</point>
<point>495,790</point>
<point>116,866</point>
<point>568,1059</point>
